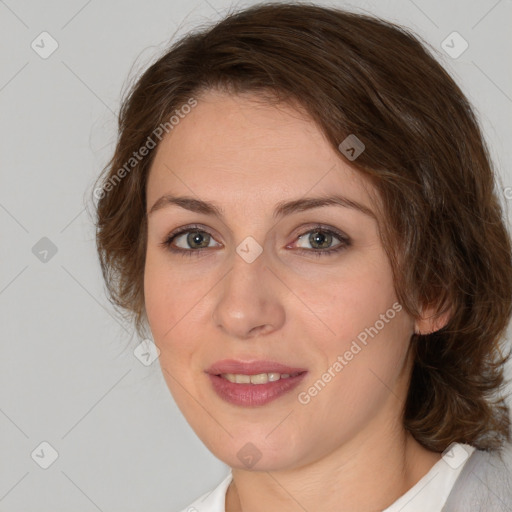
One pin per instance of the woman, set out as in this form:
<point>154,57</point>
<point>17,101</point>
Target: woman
<point>301,208</point>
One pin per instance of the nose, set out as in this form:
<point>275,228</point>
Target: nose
<point>250,300</point>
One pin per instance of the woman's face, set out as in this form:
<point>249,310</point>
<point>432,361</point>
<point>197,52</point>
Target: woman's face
<point>252,287</point>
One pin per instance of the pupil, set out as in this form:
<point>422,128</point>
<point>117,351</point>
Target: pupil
<point>318,239</point>
<point>196,238</point>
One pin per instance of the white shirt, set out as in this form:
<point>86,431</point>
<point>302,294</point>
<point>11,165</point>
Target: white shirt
<point>429,494</point>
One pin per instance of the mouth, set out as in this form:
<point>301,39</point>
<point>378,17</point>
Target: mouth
<point>256,383</point>
<point>258,379</point>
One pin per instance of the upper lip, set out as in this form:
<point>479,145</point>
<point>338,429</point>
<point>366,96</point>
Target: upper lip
<point>250,367</point>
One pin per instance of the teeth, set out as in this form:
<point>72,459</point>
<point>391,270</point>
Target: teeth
<point>261,378</point>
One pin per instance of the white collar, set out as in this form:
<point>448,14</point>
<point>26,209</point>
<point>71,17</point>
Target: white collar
<point>430,493</point>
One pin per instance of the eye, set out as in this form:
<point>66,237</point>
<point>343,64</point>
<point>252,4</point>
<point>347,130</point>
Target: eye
<point>321,238</point>
<point>191,239</point>
<point>194,240</point>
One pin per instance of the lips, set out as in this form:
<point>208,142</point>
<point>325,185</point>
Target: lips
<point>251,368</point>
<point>283,380</point>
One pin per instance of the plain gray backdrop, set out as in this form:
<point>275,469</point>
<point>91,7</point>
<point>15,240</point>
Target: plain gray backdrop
<point>111,432</point>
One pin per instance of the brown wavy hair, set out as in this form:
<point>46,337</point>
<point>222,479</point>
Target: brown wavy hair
<point>442,224</point>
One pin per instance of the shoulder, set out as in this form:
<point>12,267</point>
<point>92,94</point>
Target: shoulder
<point>484,484</point>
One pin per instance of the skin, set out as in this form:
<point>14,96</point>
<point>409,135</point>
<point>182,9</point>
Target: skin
<point>346,448</point>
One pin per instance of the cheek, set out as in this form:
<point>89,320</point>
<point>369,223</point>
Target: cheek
<point>166,308</point>
<point>350,300</point>
<point>158,300</point>
<point>365,326</point>
<point>357,382</point>
<point>174,302</point>
<point>164,312</point>
<point>168,299</point>
<point>374,332</point>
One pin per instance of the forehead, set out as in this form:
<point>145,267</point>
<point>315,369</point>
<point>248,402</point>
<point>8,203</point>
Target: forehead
<point>239,148</point>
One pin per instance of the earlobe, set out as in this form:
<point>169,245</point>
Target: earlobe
<point>428,323</point>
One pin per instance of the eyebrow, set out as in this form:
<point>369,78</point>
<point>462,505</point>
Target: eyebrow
<point>282,208</point>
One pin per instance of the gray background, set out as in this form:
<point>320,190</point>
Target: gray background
<point>68,375</point>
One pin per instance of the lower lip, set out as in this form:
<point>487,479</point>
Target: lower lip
<point>253,394</point>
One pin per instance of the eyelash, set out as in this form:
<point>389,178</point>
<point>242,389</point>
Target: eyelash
<point>344,241</point>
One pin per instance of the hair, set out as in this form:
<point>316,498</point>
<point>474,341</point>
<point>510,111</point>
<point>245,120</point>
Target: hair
<point>442,224</point>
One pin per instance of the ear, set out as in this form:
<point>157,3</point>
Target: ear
<point>428,323</point>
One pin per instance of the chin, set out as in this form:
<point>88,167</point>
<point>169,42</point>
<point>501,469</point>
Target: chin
<point>256,452</point>
<point>277,462</point>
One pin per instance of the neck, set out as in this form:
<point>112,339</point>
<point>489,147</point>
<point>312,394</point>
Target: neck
<point>369,473</point>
